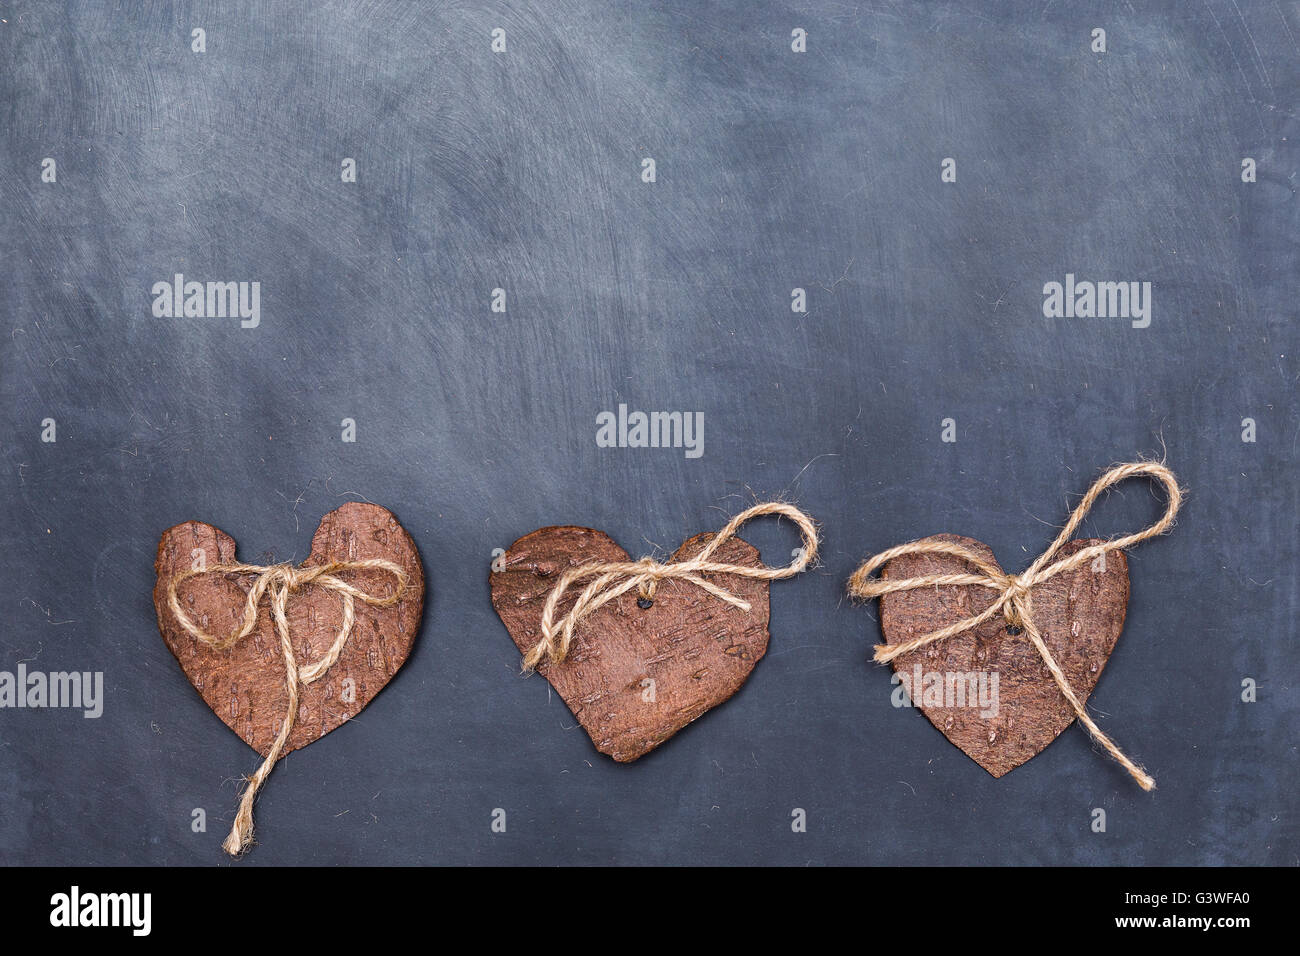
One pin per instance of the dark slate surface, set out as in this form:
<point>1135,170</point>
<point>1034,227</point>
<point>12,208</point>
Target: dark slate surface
<point>775,170</point>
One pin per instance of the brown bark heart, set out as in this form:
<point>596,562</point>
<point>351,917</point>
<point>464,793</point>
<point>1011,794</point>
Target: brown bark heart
<point>1079,613</point>
<point>696,649</point>
<point>245,684</point>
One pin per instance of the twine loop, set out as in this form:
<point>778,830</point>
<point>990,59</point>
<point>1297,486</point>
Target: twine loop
<point>613,578</point>
<point>282,580</point>
<point>1014,592</point>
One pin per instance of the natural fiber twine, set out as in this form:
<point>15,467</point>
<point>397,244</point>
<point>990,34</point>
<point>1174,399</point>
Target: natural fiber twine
<point>612,578</point>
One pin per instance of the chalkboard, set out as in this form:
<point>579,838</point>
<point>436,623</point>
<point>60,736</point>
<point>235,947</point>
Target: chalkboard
<point>830,230</point>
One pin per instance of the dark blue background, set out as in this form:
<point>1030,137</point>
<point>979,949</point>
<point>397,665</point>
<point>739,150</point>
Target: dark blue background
<point>775,170</point>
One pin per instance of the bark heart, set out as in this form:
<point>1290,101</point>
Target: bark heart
<point>245,684</point>
<point>1079,613</point>
<point>636,675</point>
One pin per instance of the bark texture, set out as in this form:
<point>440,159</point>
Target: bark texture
<point>635,676</point>
<point>1079,613</point>
<point>245,685</point>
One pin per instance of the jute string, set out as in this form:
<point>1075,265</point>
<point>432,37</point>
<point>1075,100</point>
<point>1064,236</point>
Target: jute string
<point>282,580</point>
<point>613,578</point>
<point>1014,599</point>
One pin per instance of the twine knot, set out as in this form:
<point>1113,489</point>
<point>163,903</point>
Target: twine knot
<point>648,578</point>
<point>282,580</point>
<point>1014,592</point>
<point>612,578</point>
<point>1017,607</point>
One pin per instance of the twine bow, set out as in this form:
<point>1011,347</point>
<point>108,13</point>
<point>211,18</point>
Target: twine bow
<point>282,580</point>
<point>1014,598</point>
<point>612,578</point>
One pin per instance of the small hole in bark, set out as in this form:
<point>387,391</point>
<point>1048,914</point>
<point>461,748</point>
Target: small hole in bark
<point>645,603</point>
<point>1015,631</point>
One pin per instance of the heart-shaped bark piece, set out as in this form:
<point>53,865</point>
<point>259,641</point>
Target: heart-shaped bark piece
<point>1079,613</point>
<point>635,675</point>
<point>245,684</point>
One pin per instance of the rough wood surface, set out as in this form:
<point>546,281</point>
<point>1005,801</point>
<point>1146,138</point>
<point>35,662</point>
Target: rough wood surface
<point>245,685</point>
<point>1080,614</point>
<point>697,650</point>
